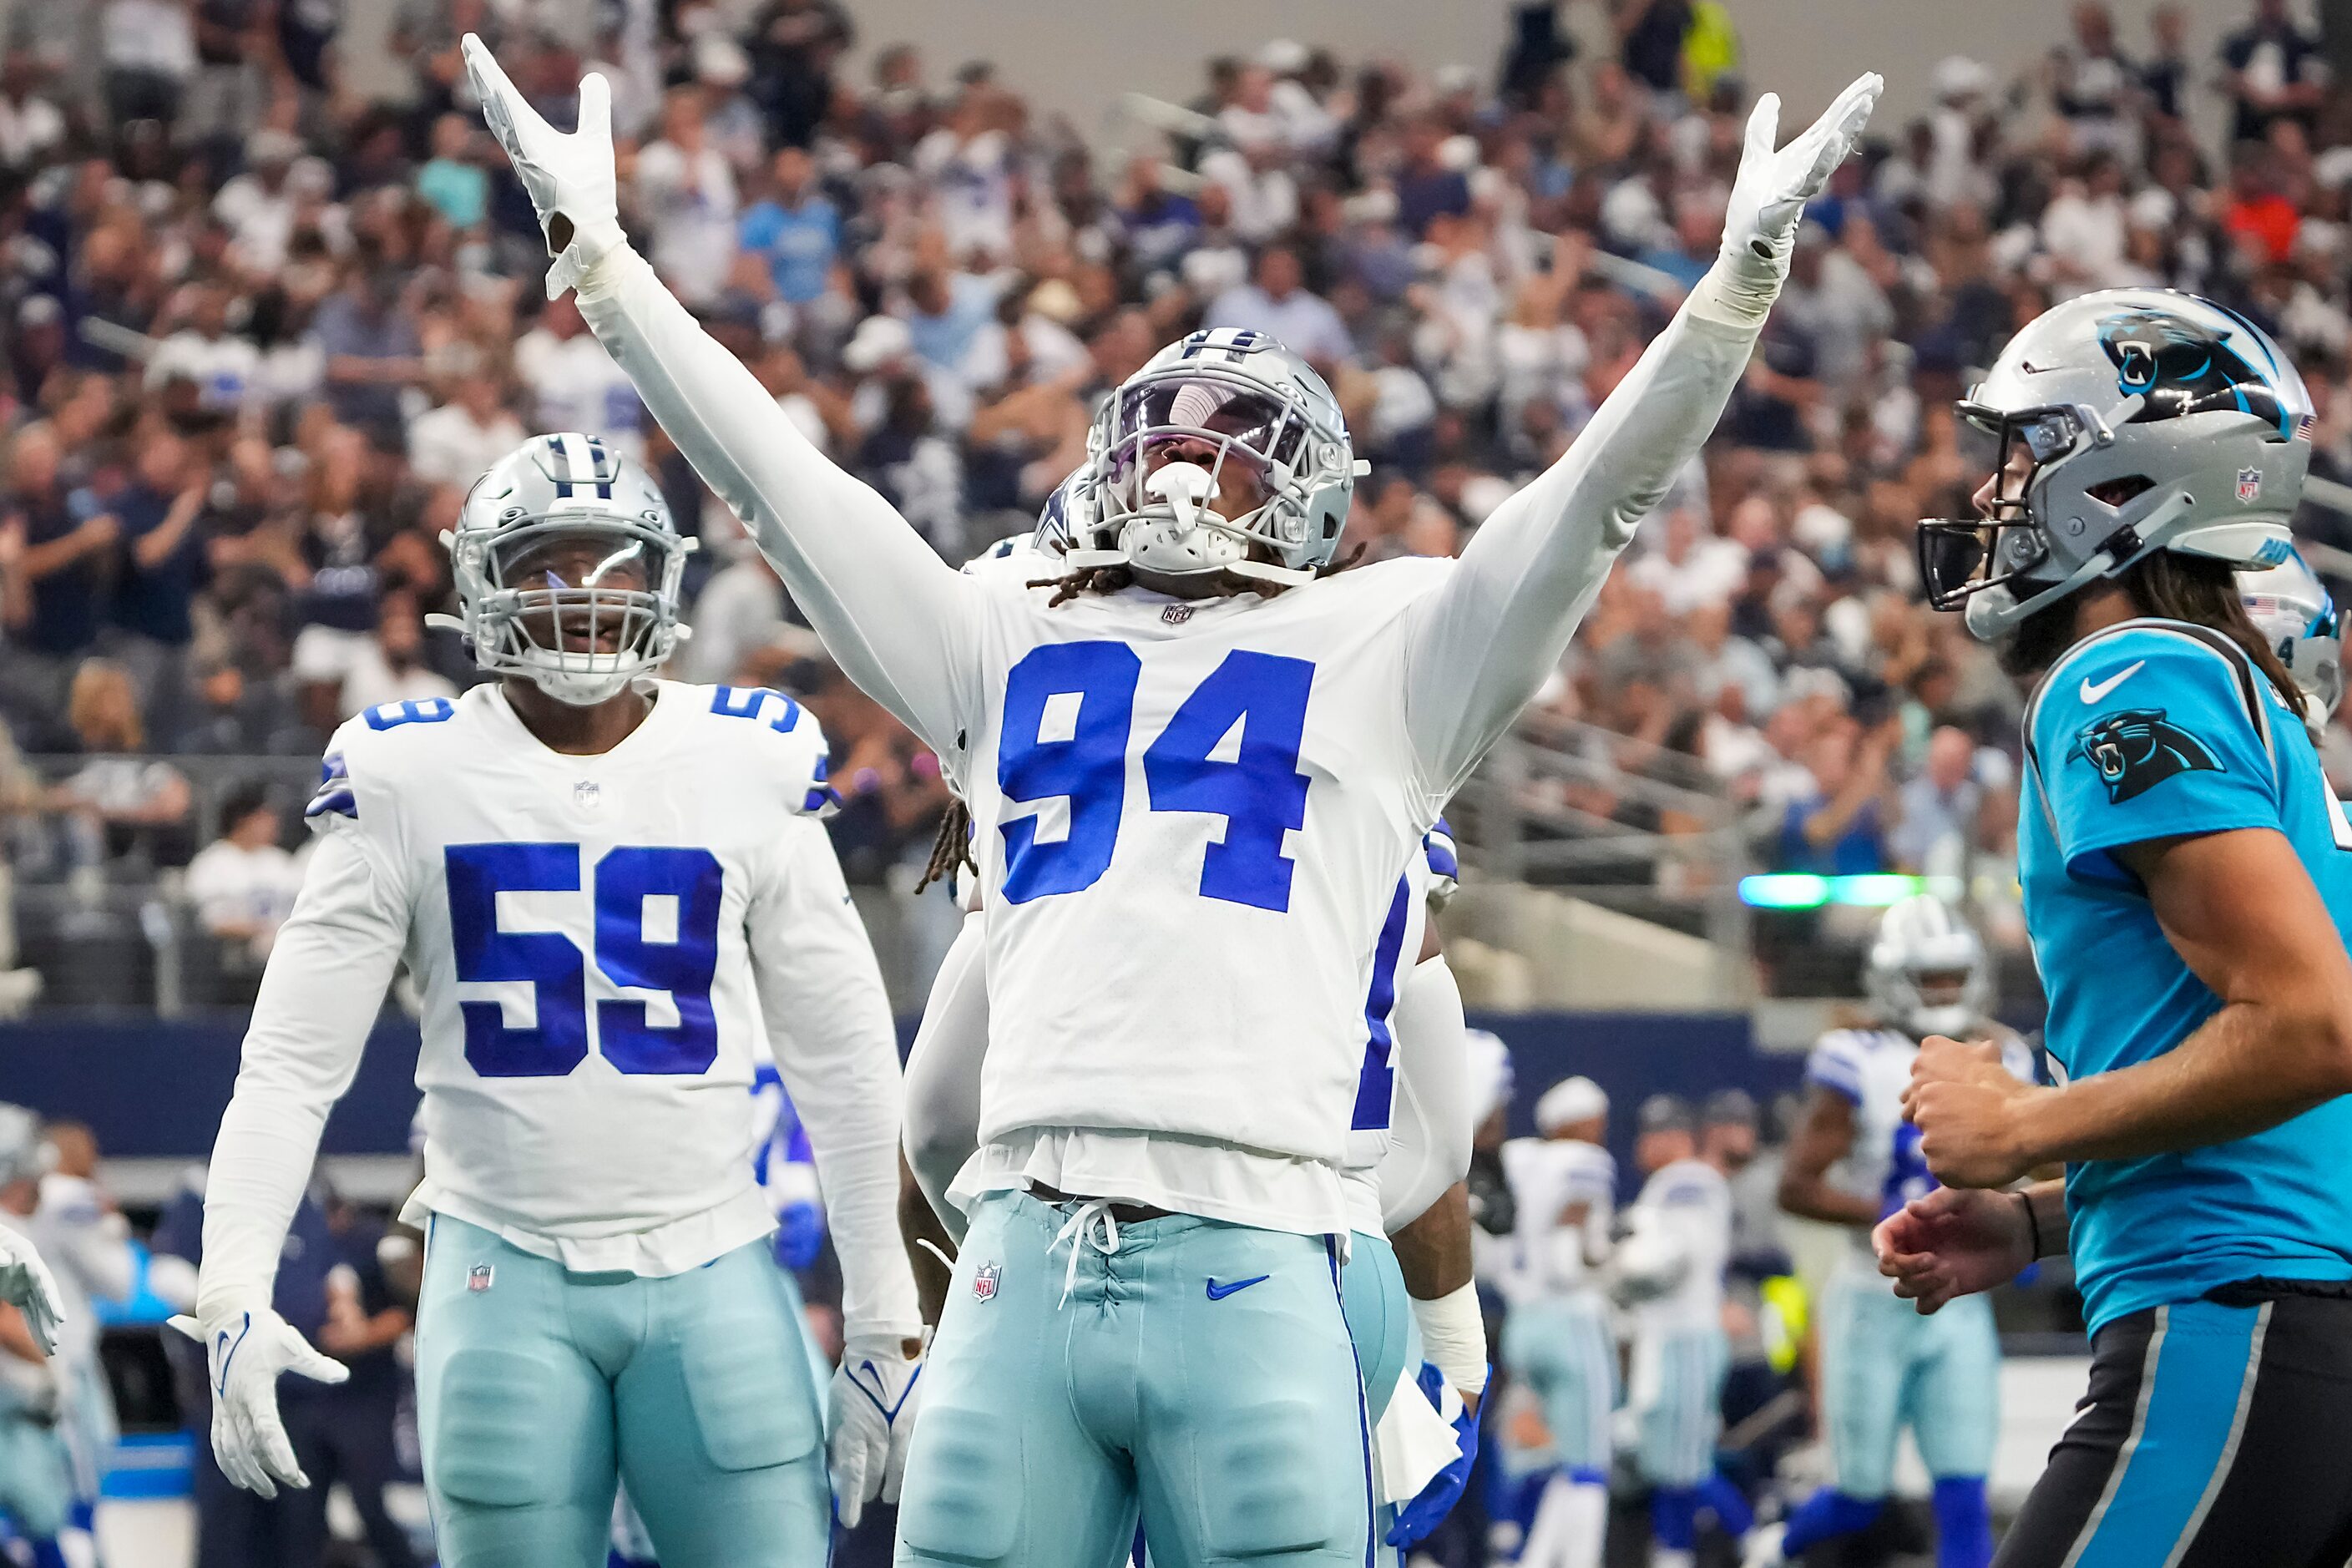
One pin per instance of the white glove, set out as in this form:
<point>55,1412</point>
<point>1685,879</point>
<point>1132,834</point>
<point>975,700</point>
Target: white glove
<point>26,1285</point>
<point>246,1351</point>
<point>871,1418</point>
<point>568,177</point>
<point>1769,194</point>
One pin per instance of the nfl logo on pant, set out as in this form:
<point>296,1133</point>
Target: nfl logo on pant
<point>477,1277</point>
<point>983,1282</point>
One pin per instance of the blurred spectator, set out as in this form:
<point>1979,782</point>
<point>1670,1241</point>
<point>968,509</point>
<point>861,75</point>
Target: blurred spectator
<point>1939,813</point>
<point>119,800</point>
<point>159,517</point>
<point>364,1326</point>
<point>390,666</point>
<point>243,883</point>
<point>56,558</point>
<point>457,443</point>
<point>575,383</point>
<point>371,349</point>
<point>2272,70</point>
<point>1837,826</point>
<point>1277,302</point>
<point>795,229</point>
<point>150,48</point>
<point>32,126</point>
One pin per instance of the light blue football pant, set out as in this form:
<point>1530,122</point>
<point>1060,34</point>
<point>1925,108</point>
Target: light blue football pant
<point>542,1390</point>
<point>1079,1380</point>
<point>36,1488</point>
<point>1561,1349</point>
<point>1884,1367</point>
<point>1678,1388</point>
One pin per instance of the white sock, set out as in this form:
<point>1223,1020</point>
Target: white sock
<point>1572,1526</point>
<point>1671,1557</point>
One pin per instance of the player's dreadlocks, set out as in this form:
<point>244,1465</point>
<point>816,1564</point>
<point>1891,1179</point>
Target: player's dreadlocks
<point>952,846</point>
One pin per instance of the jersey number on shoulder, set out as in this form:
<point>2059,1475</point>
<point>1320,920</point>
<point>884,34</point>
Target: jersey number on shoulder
<point>1230,749</point>
<point>657,930</point>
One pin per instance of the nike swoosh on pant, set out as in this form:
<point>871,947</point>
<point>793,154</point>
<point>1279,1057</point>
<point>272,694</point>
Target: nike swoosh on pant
<point>1219,1292</point>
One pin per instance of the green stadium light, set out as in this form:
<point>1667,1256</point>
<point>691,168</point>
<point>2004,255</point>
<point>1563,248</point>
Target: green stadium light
<point>1804,890</point>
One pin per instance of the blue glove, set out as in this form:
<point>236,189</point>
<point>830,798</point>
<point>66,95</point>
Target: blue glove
<point>1426,1511</point>
<point>800,1235</point>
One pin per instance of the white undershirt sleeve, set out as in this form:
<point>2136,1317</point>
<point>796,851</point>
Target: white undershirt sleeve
<point>899,620</point>
<point>327,972</point>
<point>1479,647</point>
<point>944,1073</point>
<point>828,1022</point>
<point>1429,1144</point>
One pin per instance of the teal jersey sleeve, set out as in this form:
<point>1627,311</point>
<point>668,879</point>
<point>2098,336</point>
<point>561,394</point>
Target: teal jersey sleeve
<point>2151,732</point>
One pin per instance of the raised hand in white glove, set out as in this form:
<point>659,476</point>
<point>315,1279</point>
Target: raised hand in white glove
<point>569,176</point>
<point>26,1285</point>
<point>872,1415</point>
<point>245,1351</point>
<point>1769,194</point>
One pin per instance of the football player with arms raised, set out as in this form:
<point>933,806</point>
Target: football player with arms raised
<point>1198,765</point>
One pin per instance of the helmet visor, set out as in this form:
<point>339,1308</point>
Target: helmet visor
<point>1246,437</point>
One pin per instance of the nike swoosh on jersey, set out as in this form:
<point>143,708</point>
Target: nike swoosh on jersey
<point>1219,1292</point>
<point>2093,693</point>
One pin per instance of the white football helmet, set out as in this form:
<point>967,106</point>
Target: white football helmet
<point>1236,409</point>
<point>579,641</point>
<point>1923,941</point>
<point>2296,616</point>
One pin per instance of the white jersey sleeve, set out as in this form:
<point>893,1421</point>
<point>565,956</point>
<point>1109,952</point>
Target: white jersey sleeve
<point>1480,646</point>
<point>899,620</point>
<point>1430,1136</point>
<point>828,1023</point>
<point>325,981</point>
<point>943,1070</point>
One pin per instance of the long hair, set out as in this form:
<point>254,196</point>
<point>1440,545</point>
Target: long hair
<point>2166,585</point>
<point>1111,579</point>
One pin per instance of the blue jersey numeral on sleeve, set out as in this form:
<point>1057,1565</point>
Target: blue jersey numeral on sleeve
<point>682,961</point>
<point>684,964</point>
<point>416,710</point>
<point>1069,709</point>
<point>1260,794</point>
<point>558,1040</point>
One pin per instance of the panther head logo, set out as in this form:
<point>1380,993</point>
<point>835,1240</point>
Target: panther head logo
<point>2138,749</point>
<point>2180,366</point>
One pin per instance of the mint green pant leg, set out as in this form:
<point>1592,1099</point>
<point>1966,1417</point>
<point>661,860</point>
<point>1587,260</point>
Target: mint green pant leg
<point>1380,1317</point>
<point>1560,1347</point>
<point>1252,1440</point>
<point>1003,1467</point>
<point>720,1442</point>
<point>1953,1398</point>
<point>515,1416</point>
<point>36,1476</point>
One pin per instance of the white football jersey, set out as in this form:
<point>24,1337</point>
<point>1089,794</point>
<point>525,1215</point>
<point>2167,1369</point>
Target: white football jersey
<point>1690,1201</point>
<point>1872,1068</point>
<point>1548,1177</point>
<point>1193,821</point>
<point>581,930</point>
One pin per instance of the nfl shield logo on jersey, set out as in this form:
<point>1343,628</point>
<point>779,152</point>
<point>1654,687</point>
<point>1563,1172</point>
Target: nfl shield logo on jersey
<point>983,1282</point>
<point>2249,483</point>
<point>477,1277</point>
<point>587,794</point>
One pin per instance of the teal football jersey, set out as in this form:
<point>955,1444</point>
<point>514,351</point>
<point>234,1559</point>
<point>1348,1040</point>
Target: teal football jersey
<point>2153,730</point>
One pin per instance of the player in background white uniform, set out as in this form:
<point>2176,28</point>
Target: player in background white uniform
<point>1557,1339</point>
<point>1668,1271</point>
<point>38,1317</point>
<point>1854,1160</point>
<point>1196,771</point>
<point>610,888</point>
<point>87,1243</point>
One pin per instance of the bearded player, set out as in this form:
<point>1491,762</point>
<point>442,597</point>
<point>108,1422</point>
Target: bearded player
<point>610,888</point>
<point>1197,766</point>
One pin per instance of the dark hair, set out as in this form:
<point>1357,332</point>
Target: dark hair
<point>243,802</point>
<point>1111,579</point>
<point>2169,586</point>
<point>952,846</point>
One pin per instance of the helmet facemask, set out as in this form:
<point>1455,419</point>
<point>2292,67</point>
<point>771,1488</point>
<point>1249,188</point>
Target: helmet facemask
<point>2004,554</point>
<point>1204,470</point>
<point>581,605</point>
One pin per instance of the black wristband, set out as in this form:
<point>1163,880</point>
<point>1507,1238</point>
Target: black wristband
<point>2032,1223</point>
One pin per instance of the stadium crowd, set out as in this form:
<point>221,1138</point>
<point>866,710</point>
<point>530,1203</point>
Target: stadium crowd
<point>262,330</point>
